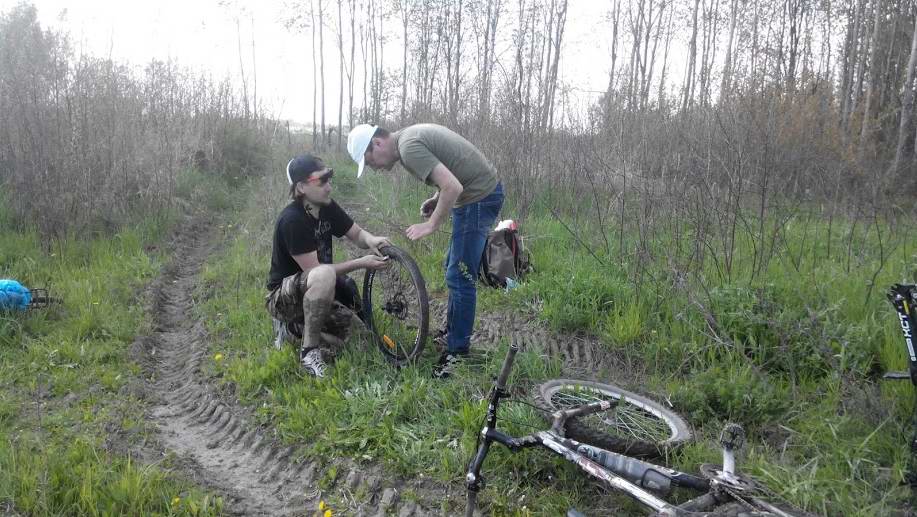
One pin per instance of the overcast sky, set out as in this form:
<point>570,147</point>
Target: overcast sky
<point>202,34</point>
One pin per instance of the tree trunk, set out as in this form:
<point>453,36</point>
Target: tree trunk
<point>254,74</point>
<point>405,18</point>
<point>688,87</point>
<point>886,83</point>
<point>486,74</point>
<point>865,127</point>
<point>457,76</point>
<point>708,54</point>
<point>340,75</point>
<point>321,67</point>
<point>558,38</point>
<point>852,93</point>
<point>665,59</point>
<point>314,73</point>
<point>726,84</point>
<point>907,105</point>
<point>242,69</point>
<point>615,19</point>
<point>353,55</point>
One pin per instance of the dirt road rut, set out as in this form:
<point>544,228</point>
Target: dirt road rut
<point>224,450</point>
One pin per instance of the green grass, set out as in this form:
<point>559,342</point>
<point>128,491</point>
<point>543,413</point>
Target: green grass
<point>791,351</point>
<point>68,420</point>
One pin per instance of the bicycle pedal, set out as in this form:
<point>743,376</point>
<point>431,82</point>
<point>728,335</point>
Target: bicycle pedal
<point>897,376</point>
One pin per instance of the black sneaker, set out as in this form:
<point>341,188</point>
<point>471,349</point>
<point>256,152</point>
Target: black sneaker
<point>446,365</point>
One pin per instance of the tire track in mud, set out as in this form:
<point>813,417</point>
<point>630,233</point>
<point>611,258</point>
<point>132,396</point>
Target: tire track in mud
<point>217,440</point>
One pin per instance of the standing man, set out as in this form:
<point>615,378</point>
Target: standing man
<point>467,186</point>
<point>304,281</point>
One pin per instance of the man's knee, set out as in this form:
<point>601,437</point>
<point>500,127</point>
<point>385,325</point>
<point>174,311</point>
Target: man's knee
<point>321,280</point>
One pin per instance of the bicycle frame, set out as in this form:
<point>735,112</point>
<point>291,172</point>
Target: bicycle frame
<point>629,475</point>
<point>904,298</point>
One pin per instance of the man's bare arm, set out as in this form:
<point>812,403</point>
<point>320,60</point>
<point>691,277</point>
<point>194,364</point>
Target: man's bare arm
<point>366,240</point>
<point>449,190</point>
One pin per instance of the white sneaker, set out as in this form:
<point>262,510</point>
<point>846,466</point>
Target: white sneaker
<point>313,363</point>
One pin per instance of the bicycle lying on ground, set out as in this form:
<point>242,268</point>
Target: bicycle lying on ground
<point>636,428</point>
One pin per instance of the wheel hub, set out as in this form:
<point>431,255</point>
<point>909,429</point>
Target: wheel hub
<point>397,306</point>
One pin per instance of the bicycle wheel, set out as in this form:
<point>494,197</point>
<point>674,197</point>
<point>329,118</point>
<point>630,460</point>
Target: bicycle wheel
<point>636,426</point>
<point>396,307</point>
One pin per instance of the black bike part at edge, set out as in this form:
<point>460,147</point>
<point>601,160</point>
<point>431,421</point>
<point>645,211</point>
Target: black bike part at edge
<point>402,257</point>
<point>904,298</point>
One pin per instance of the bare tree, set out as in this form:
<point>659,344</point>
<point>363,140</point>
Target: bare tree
<point>870,79</point>
<point>486,56</point>
<point>405,8</point>
<point>321,66</point>
<point>245,98</point>
<point>726,83</point>
<point>340,32</point>
<point>688,87</point>
<point>907,106</point>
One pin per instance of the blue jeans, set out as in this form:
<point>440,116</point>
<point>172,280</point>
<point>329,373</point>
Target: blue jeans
<point>470,225</point>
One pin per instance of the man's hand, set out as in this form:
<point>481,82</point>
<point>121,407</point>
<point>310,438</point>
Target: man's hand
<point>428,206</point>
<point>374,243</point>
<point>374,262</point>
<point>419,231</point>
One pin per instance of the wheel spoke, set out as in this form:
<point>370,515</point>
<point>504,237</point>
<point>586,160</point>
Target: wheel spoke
<point>626,418</point>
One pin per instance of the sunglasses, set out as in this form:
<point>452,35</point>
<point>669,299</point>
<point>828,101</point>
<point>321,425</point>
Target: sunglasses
<point>323,179</point>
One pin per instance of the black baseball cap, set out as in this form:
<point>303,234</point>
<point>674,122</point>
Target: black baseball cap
<point>302,166</point>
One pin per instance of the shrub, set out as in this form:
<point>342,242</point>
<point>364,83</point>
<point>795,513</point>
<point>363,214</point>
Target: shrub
<point>736,393</point>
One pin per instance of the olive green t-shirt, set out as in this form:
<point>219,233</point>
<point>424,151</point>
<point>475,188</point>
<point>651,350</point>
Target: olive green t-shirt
<point>424,146</point>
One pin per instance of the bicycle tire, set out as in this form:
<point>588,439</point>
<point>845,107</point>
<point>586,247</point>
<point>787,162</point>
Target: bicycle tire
<point>658,429</point>
<point>397,319</point>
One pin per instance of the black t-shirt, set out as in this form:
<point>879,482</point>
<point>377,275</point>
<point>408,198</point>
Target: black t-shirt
<point>297,232</point>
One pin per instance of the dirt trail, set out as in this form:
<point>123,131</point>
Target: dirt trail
<point>217,439</point>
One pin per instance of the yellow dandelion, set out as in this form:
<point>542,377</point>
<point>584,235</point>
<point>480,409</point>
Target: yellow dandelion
<point>327,513</point>
<point>218,357</point>
<point>322,506</point>
<point>176,501</point>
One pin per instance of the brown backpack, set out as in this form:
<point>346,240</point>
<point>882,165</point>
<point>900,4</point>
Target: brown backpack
<point>504,257</point>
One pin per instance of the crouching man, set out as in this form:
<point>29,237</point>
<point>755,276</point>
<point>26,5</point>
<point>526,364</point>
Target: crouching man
<point>303,281</point>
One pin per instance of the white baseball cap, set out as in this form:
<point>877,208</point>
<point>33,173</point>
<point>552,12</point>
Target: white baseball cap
<point>357,142</point>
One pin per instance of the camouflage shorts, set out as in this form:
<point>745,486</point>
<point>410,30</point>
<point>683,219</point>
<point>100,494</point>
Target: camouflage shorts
<point>285,302</point>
